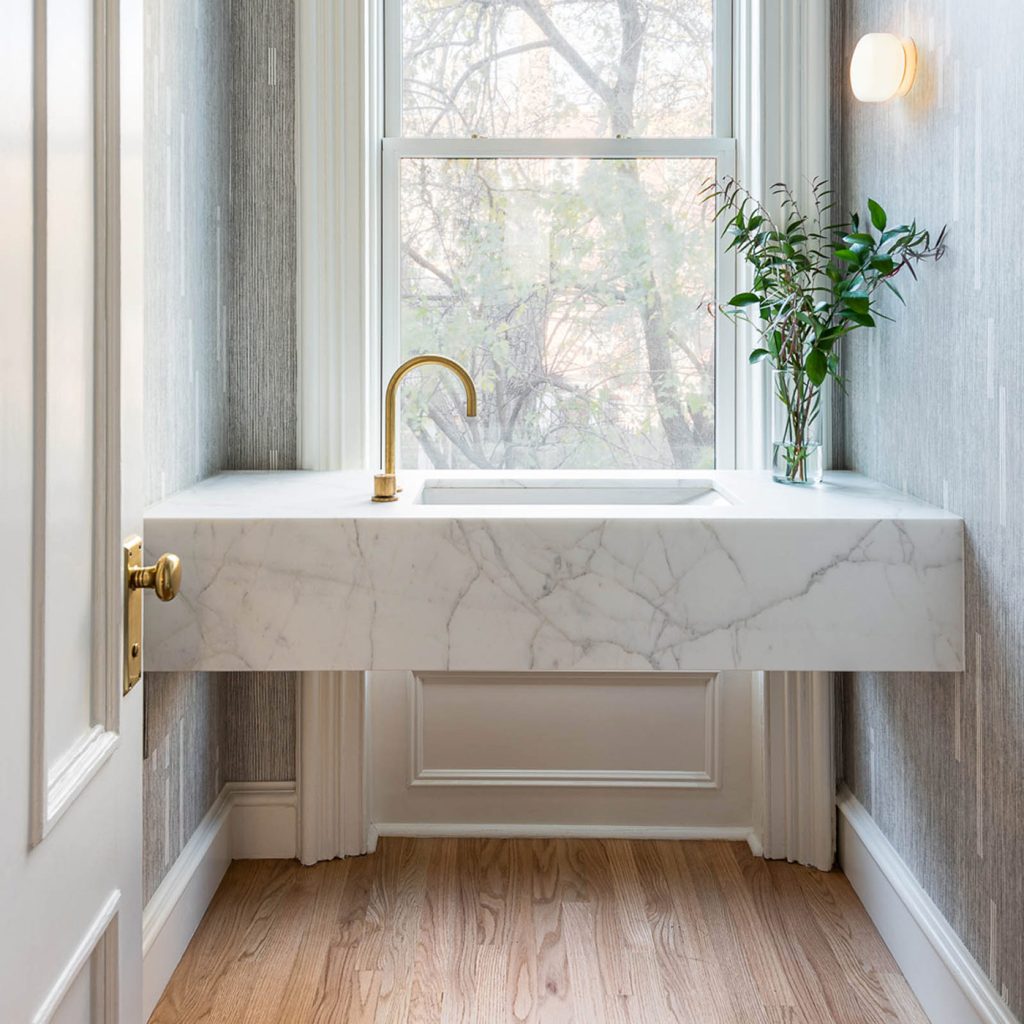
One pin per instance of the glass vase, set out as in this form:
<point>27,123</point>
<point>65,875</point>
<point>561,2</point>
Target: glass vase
<point>797,456</point>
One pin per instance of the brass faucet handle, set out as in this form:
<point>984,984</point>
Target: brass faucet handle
<point>385,487</point>
<point>164,578</point>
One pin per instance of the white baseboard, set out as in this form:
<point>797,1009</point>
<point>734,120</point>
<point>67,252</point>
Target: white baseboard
<point>946,979</point>
<point>464,830</point>
<point>176,908</point>
<point>248,819</point>
<point>264,820</point>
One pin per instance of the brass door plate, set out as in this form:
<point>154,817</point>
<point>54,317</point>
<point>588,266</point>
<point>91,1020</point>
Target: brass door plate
<point>132,615</point>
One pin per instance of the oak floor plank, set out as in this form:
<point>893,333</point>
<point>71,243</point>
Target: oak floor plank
<point>558,870</point>
<point>433,942</point>
<point>835,929</point>
<point>397,907</point>
<point>826,982</point>
<point>460,888</point>
<point>746,1002</point>
<point>613,968</point>
<point>521,949</point>
<point>213,945</point>
<point>782,918</point>
<point>537,932</point>
<point>554,985</point>
<point>322,987</point>
<point>584,963</point>
<point>219,977</point>
<point>905,1007</point>
<point>693,988</point>
<point>763,959</point>
<point>871,950</point>
<point>493,913</point>
<point>269,973</point>
<point>490,997</point>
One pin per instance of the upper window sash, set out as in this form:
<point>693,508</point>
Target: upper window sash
<point>567,57</point>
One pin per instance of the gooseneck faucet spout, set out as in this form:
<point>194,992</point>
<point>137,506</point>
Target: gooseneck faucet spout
<point>385,485</point>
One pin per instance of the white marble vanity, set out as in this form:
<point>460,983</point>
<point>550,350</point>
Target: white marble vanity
<point>665,572</point>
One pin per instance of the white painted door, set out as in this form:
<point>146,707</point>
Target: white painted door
<point>70,458</point>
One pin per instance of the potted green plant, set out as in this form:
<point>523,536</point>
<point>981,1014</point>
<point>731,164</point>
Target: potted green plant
<point>814,282</point>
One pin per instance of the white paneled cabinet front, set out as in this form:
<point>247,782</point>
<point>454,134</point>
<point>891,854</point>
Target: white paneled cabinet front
<point>561,753</point>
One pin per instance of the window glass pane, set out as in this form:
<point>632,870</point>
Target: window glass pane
<point>557,68</point>
<point>578,293</point>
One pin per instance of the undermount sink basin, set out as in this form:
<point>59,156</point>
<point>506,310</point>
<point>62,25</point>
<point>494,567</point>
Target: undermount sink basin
<point>512,491</point>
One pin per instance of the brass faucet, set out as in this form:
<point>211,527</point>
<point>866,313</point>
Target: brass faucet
<point>385,487</point>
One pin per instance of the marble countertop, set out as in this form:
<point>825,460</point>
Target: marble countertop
<point>754,495</point>
<point>300,570</point>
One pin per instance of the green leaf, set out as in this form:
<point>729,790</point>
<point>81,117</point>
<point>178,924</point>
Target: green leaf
<point>743,299</point>
<point>878,217</point>
<point>892,233</point>
<point>883,264</point>
<point>895,291</point>
<point>863,319</point>
<point>758,354</point>
<point>817,367</point>
<point>857,303</point>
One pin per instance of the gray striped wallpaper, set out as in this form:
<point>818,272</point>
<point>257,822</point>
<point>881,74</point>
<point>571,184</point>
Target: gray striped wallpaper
<point>220,356</point>
<point>187,238</point>
<point>936,406</point>
<point>262,350</point>
<point>183,773</point>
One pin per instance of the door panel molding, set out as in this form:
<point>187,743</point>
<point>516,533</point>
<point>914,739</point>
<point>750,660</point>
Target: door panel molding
<point>56,781</point>
<point>71,774</point>
<point>98,949</point>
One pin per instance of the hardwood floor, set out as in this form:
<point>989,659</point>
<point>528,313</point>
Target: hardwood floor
<point>482,931</point>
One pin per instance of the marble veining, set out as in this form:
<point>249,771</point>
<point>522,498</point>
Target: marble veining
<point>300,571</point>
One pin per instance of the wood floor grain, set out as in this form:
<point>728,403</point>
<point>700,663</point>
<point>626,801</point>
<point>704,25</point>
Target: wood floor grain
<point>546,931</point>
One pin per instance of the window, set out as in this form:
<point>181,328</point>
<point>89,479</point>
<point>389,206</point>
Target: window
<point>543,224</point>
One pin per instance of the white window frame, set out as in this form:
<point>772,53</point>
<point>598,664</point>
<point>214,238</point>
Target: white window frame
<point>720,147</point>
<point>772,93</point>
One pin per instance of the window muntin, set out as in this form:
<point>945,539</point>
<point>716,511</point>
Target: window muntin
<point>575,278</point>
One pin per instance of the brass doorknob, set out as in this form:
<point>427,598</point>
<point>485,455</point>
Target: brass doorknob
<point>164,578</point>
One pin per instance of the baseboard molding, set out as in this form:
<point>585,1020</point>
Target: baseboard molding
<point>946,979</point>
<point>264,820</point>
<point>463,830</point>
<point>176,908</point>
<point>247,820</point>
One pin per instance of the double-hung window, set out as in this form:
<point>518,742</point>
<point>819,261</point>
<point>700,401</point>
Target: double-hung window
<point>543,224</point>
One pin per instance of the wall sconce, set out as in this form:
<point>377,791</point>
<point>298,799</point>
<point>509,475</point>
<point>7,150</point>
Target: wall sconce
<point>883,66</point>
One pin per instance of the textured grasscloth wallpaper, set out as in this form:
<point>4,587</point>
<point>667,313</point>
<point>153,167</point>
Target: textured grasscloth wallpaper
<point>262,350</point>
<point>220,355</point>
<point>935,407</point>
